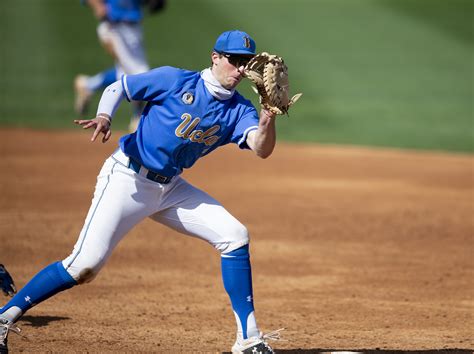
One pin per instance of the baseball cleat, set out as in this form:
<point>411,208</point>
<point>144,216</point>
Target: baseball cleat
<point>256,345</point>
<point>252,348</point>
<point>5,327</point>
<point>83,95</point>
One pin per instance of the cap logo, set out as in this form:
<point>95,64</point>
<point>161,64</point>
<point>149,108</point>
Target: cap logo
<point>246,42</point>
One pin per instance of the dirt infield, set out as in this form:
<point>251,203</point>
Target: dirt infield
<point>352,249</point>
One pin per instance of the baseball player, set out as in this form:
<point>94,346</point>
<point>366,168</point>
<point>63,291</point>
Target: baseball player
<point>187,115</point>
<point>120,33</point>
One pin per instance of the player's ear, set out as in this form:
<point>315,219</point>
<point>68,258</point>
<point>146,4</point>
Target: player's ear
<point>215,57</point>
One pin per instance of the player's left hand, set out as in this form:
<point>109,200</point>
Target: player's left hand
<point>269,73</point>
<point>6,282</point>
<point>101,124</point>
<point>267,114</point>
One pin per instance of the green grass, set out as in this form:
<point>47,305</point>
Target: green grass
<point>393,73</point>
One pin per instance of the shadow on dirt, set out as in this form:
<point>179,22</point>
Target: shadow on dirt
<point>41,321</point>
<point>371,351</point>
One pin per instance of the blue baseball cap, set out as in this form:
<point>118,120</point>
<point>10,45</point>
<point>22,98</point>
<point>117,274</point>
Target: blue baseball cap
<point>235,42</point>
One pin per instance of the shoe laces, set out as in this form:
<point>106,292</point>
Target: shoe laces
<point>5,327</point>
<point>274,335</point>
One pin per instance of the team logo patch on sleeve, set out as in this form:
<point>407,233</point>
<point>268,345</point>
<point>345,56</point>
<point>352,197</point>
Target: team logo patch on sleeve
<point>187,98</point>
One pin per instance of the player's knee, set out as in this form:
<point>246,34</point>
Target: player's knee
<point>83,274</point>
<point>87,275</point>
<point>237,237</point>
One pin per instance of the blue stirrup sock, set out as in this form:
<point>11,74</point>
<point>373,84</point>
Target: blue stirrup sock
<point>237,277</point>
<point>48,282</point>
<point>110,76</point>
<point>101,80</point>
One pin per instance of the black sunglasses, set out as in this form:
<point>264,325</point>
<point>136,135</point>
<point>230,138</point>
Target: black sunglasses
<point>237,60</point>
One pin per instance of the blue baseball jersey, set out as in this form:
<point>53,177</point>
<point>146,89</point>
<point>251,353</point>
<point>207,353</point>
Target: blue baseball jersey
<point>182,121</point>
<point>124,10</point>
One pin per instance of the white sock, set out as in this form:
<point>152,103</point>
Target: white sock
<point>12,314</point>
<point>252,328</point>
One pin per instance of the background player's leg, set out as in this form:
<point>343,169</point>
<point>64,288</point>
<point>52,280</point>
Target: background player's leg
<point>127,41</point>
<point>85,86</point>
<point>193,212</point>
<point>128,47</point>
<point>101,80</point>
<point>137,109</point>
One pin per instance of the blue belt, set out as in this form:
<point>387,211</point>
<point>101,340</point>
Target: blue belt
<point>152,176</point>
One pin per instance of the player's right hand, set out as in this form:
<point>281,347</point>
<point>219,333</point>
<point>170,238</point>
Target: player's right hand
<point>101,124</point>
<point>98,8</point>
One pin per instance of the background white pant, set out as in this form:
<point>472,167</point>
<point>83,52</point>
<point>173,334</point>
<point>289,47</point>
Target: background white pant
<point>123,198</point>
<point>126,42</point>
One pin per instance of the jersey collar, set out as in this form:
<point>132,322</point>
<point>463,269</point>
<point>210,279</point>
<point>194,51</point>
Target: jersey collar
<point>214,86</point>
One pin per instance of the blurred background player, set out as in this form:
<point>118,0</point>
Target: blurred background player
<point>120,33</point>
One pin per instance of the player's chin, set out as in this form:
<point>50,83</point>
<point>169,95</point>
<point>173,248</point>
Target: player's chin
<point>233,82</point>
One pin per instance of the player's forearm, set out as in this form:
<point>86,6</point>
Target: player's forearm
<point>264,139</point>
<point>98,7</point>
<point>111,99</point>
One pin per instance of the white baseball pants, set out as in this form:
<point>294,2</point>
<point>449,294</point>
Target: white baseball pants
<point>123,198</point>
<point>126,40</point>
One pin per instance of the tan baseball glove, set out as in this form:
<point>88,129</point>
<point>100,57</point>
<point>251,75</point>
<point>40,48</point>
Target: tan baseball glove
<point>270,75</point>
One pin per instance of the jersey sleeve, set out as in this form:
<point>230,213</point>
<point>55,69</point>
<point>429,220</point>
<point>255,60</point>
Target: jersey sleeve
<point>152,85</point>
<point>247,123</point>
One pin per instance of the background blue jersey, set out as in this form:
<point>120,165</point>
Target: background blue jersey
<point>124,10</point>
<point>182,120</point>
